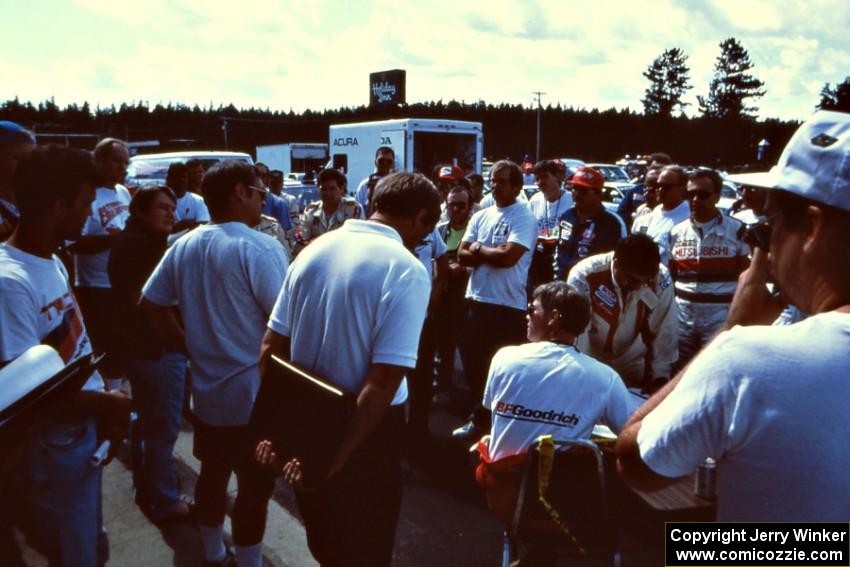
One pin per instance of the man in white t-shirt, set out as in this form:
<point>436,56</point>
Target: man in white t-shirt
<point>351,310</point>
<point>547,386</point>
<point>547,206</point>
<point>497,246</point>
<point>673,210</point>
<point>191,209</point>
<point>110,210</point>
<point>769,403</point>
<point>224,278</point>
<point>54,189</point>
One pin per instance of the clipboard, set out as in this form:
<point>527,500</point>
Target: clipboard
<point>305,416</point>
<point>63,384</point>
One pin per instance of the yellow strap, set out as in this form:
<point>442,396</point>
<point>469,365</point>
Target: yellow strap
<point>546,454</point>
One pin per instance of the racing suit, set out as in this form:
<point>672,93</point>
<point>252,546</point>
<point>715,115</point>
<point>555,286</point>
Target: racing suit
<point>705,261</point>
<point>635,333</point>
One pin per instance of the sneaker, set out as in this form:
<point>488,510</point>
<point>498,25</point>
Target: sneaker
<point>228,561</point>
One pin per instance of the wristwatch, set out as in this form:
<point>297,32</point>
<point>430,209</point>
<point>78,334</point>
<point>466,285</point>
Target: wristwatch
<point>475,247</point>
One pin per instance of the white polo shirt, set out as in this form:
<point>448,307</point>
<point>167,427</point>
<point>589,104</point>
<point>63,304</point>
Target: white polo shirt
<point>355,297</point>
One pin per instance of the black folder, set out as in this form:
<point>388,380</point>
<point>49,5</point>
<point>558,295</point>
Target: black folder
<point>303,415</point>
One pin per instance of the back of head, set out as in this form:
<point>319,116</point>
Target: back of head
<point>573,307</point>
<point>405,194</point>
<point>13,133</point>
<point>219,182</point>
<point>638,253</point>
<point>49,174</point>
<point>659,159</point>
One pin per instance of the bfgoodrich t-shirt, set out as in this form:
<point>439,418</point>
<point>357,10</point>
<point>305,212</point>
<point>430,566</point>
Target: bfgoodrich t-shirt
<point>109,213</point>
<point>493,227</point>
<point>544,388</point>
<point>225,279</point>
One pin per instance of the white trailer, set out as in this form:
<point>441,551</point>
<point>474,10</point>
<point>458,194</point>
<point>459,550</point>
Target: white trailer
<point>419,146</point>
<point>295,157</point>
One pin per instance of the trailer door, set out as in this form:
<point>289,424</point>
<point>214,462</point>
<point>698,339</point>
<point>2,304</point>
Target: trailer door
<point>437,148</point>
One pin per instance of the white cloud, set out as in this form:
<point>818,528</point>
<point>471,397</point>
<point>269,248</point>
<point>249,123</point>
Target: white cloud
<point>318,54</point>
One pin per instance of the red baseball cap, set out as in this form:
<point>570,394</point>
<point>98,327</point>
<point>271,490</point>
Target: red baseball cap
<point>450,173</point>
<point>588,177</point>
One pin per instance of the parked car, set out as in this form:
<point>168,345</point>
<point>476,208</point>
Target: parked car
<point>150,169</point>
<point>614,175</point>
<point>611,197</point>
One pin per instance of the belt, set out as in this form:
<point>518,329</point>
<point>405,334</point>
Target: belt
<point>704,297</point>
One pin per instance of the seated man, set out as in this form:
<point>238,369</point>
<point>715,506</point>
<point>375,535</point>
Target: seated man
<point>634,320</point>
<point>548,386</point>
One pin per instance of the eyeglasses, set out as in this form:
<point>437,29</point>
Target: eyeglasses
<point>262,190</point>
<point>758,234</point>
<point>700,194</point>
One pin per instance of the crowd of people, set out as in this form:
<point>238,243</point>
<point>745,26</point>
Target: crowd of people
<point>565,315</point>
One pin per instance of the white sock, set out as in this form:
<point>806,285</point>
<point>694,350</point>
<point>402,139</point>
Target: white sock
<point>213,539</point>
<point>115,383</point>
<point>250,555</point>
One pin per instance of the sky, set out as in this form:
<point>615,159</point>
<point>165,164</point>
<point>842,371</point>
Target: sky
<point>318,54</point>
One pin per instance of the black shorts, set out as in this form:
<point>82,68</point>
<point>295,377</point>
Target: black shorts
<point>224,445</point>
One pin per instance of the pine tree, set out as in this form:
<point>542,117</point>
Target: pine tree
<point>668,81</point>
<point>732,85</point>
<point>837,98</point>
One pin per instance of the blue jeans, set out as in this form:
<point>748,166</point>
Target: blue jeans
<point>158,398</point>
<point>67,519</point>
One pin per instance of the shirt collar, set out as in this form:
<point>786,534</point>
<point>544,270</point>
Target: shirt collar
<point>372,227</point>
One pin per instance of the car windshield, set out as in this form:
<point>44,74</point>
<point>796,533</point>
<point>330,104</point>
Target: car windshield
<point>611,173</point>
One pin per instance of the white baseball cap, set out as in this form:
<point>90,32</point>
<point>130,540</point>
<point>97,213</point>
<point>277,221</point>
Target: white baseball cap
<point>815,164</point>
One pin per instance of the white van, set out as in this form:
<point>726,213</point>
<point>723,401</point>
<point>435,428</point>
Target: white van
<point>419,146</point>
<point>150,169</point>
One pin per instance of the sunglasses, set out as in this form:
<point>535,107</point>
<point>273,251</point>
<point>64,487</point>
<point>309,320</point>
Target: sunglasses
<point>262,190</point>
<point>385,160</point>
<point>758,234</point>
<point>700,194</point>
<point>457,205</point>
<point>666,186</point>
